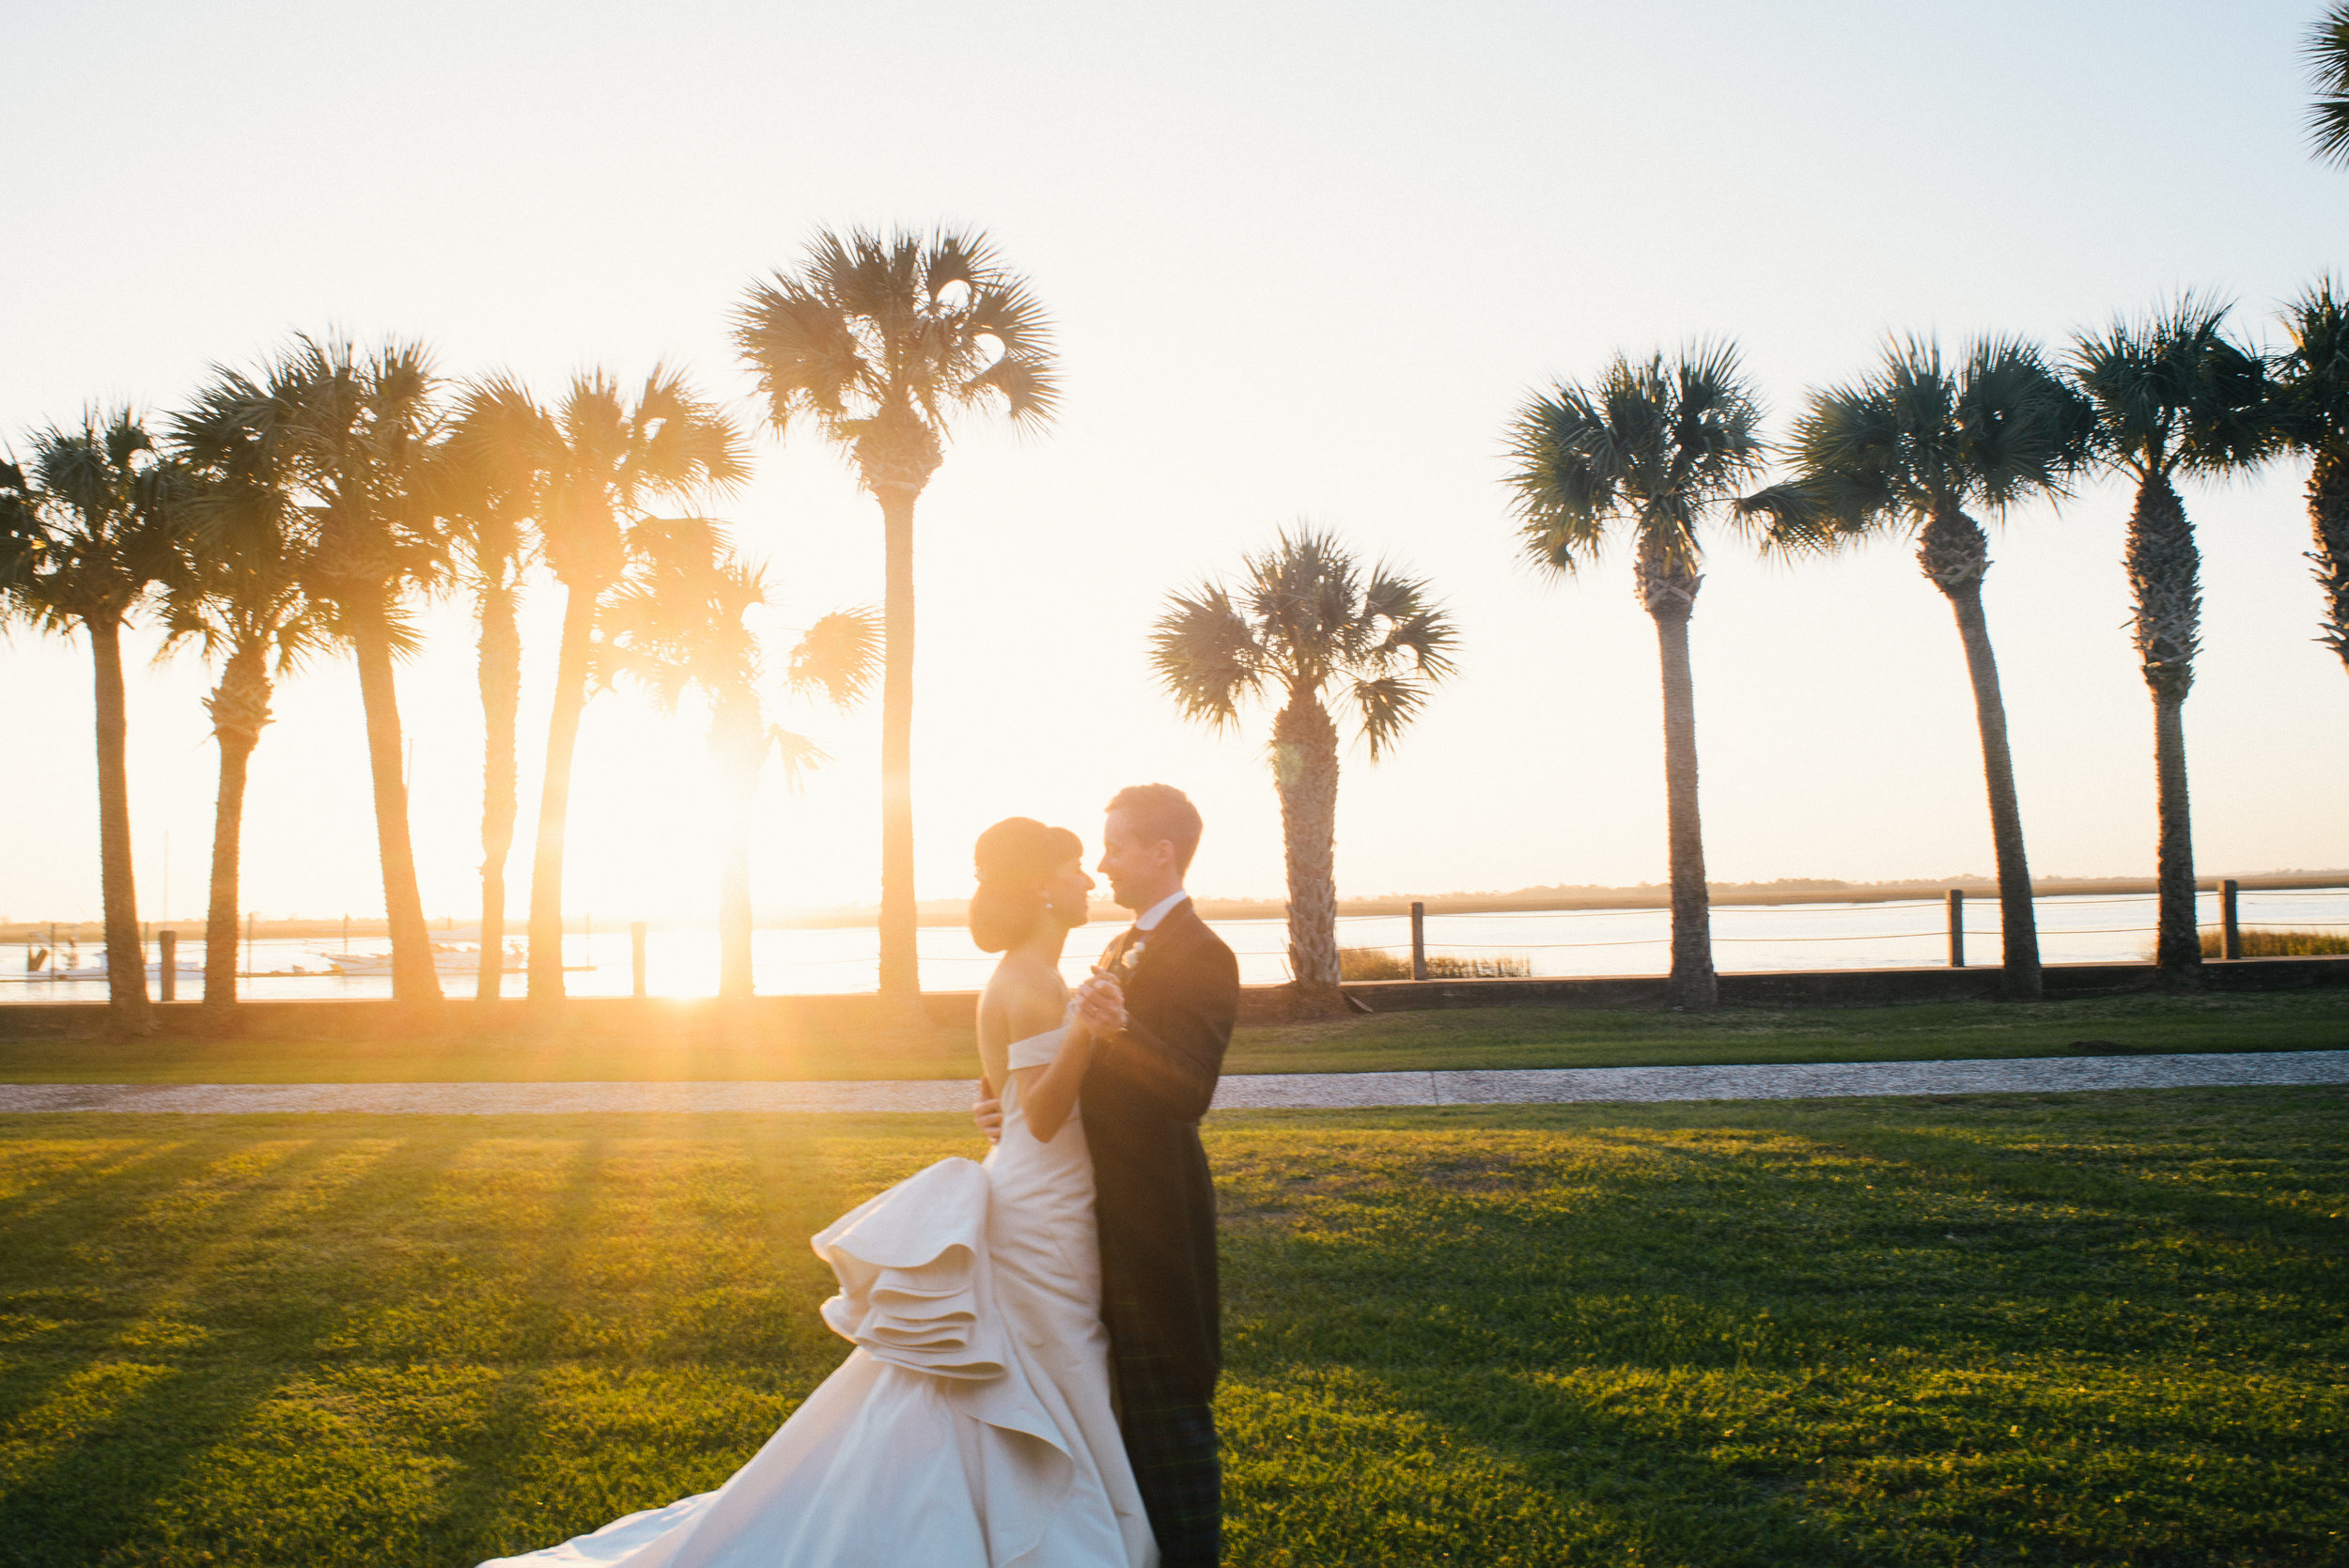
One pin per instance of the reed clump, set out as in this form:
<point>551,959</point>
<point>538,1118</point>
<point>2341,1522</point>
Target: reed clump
<point>1377,963</point>
<point>2281,944</point>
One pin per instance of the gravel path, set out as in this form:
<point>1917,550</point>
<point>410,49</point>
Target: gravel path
<point>1540,1086</point>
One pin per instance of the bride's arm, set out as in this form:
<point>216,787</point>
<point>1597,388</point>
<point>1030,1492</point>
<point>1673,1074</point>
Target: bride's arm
<point>1049,1094</point>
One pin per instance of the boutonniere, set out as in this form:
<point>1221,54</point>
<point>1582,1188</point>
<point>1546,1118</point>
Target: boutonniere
<point>1120,965</point>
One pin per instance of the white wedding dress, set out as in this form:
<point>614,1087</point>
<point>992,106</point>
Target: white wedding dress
<point>972,1425</point>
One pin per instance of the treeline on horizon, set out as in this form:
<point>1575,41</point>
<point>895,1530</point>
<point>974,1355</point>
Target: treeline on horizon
<point>305,506</point>
<point>1530,900</point>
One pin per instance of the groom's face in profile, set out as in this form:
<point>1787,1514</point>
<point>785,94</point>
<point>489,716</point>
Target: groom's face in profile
<point>1140,870</point>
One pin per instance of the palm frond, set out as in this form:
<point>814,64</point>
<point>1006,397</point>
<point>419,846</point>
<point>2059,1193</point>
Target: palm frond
<point>800,755</point>
<point>840,656</point>
<point>1791,518</point>
<point>1565,478</point>
<point>1303,597</point>
<point>1918,435</point>
<point>678,443</point>
<point>1207,655</point>
<point>1305,615</point>
<point>808,359</point>
<point>874,330</point>
<point>90,532</point>
<point>1649,447</point>
<point>2311,408</point>
<point>2170,390</point>
<point>1387,704</point>
<point>1414,625</point>
<point>2327,54</point>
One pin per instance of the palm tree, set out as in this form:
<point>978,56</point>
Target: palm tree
<point>1648,448</point>
<point>353,434</point>
<point>90,532</point>
<point>2172,395</point>
<point>600,461</point>
<point>678,622</point>
<point>2313,416</point>
<point>2326,52</point>
<point>1306,625</point>
<point>884,343</point>
<point>487,488</point>
<point>236,590</point>
<point>1914,447</point>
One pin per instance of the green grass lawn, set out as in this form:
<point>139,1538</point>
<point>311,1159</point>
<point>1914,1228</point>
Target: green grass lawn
<point>1924,1030</point>
<point>2001,1330</point>
<point>1478,1037</point>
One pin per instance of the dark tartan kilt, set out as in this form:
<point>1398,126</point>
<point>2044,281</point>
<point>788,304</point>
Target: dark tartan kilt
<point>1169,1440</point>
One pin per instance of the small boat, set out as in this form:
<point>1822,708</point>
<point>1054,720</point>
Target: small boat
<point>446,959</point>
<point>97,971</point>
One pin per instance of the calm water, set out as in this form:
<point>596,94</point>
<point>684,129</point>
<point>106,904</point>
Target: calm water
<point>1745,938</point>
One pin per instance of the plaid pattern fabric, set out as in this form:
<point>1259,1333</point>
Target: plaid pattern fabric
<point>1169,1440</point>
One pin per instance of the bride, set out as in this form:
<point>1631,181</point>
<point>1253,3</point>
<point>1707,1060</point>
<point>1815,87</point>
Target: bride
<point>973,1423</point>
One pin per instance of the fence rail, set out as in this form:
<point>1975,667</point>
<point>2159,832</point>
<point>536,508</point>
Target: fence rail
<point>683,962</point>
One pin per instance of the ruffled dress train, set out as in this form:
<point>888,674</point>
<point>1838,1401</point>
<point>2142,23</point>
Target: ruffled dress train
<point>973,1423</point>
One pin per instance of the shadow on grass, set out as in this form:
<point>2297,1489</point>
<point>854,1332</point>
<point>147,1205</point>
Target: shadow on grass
<point>1748,1335</point>
<point>210,1371</point>
<point>1478,1464</point>
<point>2077,1173</point>
<point>511,1432</point>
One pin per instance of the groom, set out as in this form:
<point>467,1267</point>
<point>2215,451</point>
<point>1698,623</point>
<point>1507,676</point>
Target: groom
<point>1162,1007</point>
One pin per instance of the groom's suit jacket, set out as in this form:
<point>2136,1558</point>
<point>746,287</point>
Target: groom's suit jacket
<point>1143,1094</point>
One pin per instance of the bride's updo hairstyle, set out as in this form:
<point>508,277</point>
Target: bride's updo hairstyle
<point>1014,859</point>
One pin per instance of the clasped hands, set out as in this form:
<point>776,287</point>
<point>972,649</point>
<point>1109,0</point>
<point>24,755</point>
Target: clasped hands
<point>1100,1004</point>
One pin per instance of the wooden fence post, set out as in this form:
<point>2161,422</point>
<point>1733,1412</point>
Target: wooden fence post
<point>1957,928</point>
<point>1418,940</point>
<point>2231,941</point>
<point>636,955</point>
<point>171,966</point>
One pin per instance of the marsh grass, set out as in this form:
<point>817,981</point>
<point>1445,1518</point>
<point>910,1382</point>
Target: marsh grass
<point>2264,943</point>
<point>2020,1329</point>
<point>1377,963</point>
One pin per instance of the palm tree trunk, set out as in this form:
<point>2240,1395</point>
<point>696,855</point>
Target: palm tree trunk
<point>220,920</point>
<point>1668,589</point>
<point>1305,775</point>
<point>240,707</point>
<point>2178,947</point>
<point>1956,553</point>
<point>501,677</point>
<point>900,965</point>
<point>2328,519</point>
<point>126,956</point>
<point>738,753</point>
<point>554,793</point>
<point>2164,570</point>
<point>415,983</point>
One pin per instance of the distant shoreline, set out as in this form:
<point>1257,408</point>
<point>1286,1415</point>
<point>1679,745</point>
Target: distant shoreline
<point>936,912</point>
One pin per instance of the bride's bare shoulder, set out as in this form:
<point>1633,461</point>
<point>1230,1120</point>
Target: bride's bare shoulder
<point>1021,1000</point>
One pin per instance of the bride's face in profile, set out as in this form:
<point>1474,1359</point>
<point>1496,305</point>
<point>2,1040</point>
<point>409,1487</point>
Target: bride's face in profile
<point>1065,892</point>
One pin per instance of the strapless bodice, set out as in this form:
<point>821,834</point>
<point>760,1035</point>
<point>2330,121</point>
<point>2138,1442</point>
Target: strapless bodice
<point>1037,1050</point>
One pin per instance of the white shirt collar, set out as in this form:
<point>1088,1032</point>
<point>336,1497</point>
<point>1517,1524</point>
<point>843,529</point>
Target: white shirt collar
<point>1159,911</point>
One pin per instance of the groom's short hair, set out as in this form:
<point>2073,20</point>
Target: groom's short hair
<point>1162,812</point>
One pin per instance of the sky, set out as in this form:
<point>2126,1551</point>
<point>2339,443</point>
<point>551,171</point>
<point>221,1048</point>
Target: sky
<point>1305,262</point>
